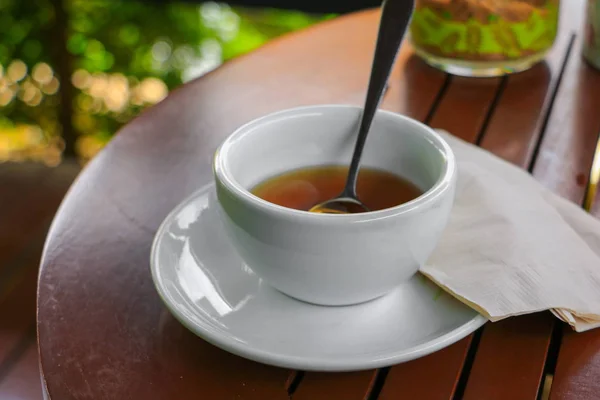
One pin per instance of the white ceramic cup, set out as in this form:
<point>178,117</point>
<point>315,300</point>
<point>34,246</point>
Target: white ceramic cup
<point>333,259</point>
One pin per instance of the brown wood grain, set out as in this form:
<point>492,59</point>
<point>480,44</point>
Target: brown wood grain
<point>322,386</point>
<point>570,140</point>
<point>465,106</point>
<point>510,359</point>
<point>414,86</point>
<point>578,367</point>
<point>578,364</point>
<point>432,377</point>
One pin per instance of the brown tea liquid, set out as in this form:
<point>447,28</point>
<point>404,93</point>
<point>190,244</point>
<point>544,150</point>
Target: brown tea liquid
<point>304,188</point>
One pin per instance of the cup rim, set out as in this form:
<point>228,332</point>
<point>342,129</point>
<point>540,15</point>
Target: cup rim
<point>225,177</point>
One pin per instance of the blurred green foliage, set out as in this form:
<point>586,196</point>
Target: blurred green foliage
<point>24,25</point>
<point>121,56</point>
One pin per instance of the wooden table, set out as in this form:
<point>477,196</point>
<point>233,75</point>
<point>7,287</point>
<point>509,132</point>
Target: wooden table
<point>103,331</point>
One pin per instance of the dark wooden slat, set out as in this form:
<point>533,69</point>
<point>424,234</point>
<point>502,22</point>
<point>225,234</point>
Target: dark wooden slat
<point>578,367</point>
<point>432,377</point>
<point>465,106</point>
<point>578,363</point>
<point>350,386</point>
<point>520,115</point>
<point>519,118</point>
<point>23,381</point>
<point>414,86</point>
<point>566,154</point>
<point>504,356</point>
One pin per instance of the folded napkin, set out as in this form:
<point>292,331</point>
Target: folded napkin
<point>512,247</point>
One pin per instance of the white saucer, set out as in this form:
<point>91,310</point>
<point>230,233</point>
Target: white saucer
<point>214,294</point>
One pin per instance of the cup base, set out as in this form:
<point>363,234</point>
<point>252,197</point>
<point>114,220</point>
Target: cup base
<point>336,304</point>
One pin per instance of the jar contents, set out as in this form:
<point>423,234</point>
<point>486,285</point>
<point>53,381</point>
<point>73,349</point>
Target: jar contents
<point>500,36</point>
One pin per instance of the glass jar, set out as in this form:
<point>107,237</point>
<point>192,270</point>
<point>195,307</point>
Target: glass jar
<point>484,37</point>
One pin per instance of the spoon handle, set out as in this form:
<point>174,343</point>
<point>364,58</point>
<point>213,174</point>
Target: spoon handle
<point>395,16</point>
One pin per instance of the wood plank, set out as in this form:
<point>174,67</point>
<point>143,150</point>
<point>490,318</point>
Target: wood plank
<point>432,377</point>
<point>567,151</point>
<point>414,87</point>
<point>578,363</point>
<point>347,386</point>
<point>510,358</point>
<point>465,107</point>
<point>23,381</point>
<point>520,116</point>
<point>578,367</point>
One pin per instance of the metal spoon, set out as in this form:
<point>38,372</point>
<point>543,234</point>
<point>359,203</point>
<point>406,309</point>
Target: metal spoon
<point>395,16</point>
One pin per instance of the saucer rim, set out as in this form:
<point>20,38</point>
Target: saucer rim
<point>241,349</point>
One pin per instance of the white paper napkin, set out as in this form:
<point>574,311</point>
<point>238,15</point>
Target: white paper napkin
<point>512,247</point>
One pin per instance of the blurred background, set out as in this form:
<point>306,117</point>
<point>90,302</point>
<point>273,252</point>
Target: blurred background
<point>73,71</point>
